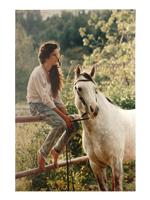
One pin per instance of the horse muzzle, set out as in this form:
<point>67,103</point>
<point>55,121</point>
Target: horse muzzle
<point>94,109</point>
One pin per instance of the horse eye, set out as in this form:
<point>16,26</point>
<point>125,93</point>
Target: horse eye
<point>75,88</point>
<point>80,89</point>
<point>96,91</point>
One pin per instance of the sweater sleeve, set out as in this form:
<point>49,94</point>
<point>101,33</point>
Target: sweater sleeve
<point>58,101</point>
<point>40,86</point>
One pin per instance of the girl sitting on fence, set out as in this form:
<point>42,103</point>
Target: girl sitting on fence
<point>43,95</point>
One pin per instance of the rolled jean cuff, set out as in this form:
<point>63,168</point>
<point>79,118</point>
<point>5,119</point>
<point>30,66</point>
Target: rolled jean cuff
<point>58,151</point>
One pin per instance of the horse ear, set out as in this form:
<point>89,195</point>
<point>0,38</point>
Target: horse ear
<point>93,70</point>
<point>78,70</point>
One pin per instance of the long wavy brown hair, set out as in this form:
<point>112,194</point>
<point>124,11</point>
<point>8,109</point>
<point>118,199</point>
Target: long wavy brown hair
<point>55,74</point>
<point>56,80</point>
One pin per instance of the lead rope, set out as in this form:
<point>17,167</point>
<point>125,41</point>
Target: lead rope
<point>68,159</point>
<point>68,182</point>
<point>72,177</point>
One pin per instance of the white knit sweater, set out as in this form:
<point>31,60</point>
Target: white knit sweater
<point>39,89</point>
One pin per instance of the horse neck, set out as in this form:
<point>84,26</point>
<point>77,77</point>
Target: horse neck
<point>103,118</point>
<point>105,109</point>
<point>104,105</point>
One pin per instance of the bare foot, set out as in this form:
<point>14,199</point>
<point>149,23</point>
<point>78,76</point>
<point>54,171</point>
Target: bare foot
<point>41,161</point>
<point>55,155</point>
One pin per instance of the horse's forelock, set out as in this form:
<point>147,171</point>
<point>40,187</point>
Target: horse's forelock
<point>87,76</point>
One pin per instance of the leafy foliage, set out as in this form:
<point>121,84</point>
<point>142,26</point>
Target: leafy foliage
<point>24,61</point>
<point>115,61</point>
<point>24,49</point>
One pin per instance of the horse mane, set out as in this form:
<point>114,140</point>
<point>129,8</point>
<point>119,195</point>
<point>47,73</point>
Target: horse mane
<point>87,76</point>
<point>110,101</point>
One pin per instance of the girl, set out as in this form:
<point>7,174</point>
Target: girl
<point>43,95</point>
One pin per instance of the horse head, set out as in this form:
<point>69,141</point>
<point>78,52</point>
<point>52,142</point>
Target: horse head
<point>86,91</point>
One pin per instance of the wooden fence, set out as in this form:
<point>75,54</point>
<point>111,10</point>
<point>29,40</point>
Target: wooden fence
<point>35,171</point>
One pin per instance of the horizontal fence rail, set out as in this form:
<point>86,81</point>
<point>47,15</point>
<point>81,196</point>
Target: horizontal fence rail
<point>24,119</point>
<point>37,171</point>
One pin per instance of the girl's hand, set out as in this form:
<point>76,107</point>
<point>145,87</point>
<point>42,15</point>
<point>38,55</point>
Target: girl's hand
<point>66,118</point>
<point>68,121</point>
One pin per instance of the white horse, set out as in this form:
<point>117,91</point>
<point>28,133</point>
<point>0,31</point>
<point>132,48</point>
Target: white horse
<point>109,134</point>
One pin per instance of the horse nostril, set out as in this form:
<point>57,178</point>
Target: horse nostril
<point>91,109</point>
<point>80,89</point>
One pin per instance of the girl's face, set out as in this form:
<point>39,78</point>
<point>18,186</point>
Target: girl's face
<point>53,58</point>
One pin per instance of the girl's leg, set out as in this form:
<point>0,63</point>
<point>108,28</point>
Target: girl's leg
<point>57,123</point>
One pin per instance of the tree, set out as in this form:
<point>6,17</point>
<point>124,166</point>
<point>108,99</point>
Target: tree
<point>26,59</point>
<point>25,53</point>
<point>115,59</point>
<point>31,21</point>
<point>93,35</point>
